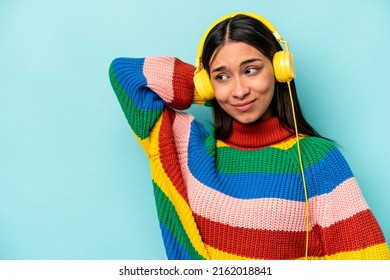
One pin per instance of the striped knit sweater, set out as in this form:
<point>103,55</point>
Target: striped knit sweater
<point>242,198</point>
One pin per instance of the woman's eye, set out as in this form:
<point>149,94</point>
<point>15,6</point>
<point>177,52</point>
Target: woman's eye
<point>251,71</point>
<point>221,77</point>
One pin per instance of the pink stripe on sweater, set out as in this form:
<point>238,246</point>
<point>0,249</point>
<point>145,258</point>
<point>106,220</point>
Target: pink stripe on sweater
<point>265,213</point>
<point>159,75</point>
<point>274,213</point>
<point>343,202</point>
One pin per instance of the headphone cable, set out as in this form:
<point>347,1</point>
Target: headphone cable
<point>302,173</point>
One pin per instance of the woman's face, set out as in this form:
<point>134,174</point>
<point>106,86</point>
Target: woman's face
<point>243,81</point>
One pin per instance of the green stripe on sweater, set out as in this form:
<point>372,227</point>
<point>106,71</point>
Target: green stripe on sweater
<point>235,161</point>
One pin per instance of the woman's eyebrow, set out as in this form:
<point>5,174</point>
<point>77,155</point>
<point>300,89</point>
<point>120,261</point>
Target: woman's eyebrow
<point>249,61</point>
<point>224,67</point>
<point>220,68</point>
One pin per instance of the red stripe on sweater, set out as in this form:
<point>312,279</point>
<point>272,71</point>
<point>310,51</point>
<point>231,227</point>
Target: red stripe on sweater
<point>183,85</point>
<point>168,153</point>
<point>357,232</point>
<point>252,243</point>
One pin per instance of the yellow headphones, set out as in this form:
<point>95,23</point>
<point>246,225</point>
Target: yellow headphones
<point>283,61</point>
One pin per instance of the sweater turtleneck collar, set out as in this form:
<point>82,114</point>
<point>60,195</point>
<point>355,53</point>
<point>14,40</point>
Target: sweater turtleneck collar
<point>259,134</point>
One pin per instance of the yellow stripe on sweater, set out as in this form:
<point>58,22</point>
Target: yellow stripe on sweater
<point>282,146</point>
<point>216,254</point>
<point>376,252</point>
<point>287,144</point>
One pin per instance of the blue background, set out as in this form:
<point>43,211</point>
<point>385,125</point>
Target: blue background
<point>75,184</point>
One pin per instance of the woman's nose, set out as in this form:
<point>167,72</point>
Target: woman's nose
<point>240,90</point>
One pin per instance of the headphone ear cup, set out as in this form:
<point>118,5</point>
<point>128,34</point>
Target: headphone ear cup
<point>203,85</point>
<point>284,66</point>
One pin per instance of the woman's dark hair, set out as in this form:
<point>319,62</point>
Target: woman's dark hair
<point>242,28</point>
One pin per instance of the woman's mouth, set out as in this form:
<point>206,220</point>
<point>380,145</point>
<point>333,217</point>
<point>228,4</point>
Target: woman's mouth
<point>244,106</point>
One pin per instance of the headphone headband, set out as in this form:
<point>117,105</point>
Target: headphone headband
<point>267,23</point>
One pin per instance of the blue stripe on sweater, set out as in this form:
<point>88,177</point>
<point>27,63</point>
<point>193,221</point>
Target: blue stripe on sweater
<point>321,178</point>
<point>173,248</point>
<point>129,72</point>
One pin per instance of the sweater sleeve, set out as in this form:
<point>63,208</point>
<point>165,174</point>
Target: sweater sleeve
<point>348,228</point>
<point>145,86</point>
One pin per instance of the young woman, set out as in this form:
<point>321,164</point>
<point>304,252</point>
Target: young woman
<point>251,188</point>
